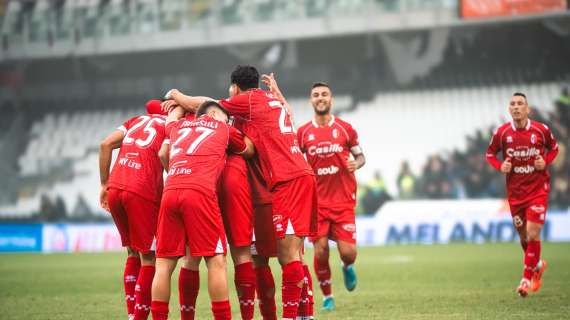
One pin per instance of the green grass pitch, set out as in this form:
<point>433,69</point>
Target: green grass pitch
<point>459,281</point>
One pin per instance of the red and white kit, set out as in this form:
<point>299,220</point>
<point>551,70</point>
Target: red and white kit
<point>527,188</point>
<point>189,212</point>
<point>327,149</point>
<point>265,238</point>
<point>135,184</point>
<point>289,177</point>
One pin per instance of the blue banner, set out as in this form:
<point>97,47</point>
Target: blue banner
<point>21,237</point>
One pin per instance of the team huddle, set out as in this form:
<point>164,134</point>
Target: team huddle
<point>238,173</point>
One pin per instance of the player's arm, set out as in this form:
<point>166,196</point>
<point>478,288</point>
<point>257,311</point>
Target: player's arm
<point>240,144</point>
<point>189,103</point>
<point>111,142</point>
<point>491,155</point>
<point>358,161</point>
<point>551,145</point>
<point>271,83</point>
<point>164,153</point>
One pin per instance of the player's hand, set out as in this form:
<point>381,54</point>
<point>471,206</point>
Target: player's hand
<point>269,81</point>
<point>506,166</point>
<point>171,93</point>
<point>168,105</point>
<point>103,198</point>
<point>351,165</point>
<point>539,163</point>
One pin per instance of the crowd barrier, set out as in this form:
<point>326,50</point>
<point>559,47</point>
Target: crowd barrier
<point>397,222</point>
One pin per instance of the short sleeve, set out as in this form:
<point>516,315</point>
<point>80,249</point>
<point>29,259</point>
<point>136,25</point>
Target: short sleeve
<point>236,144</point>
<point>238,105</point>
<point>352,137</point>
<point>495,144</point>
<point>300,139</point>
<point>550,142</point>
<point>126,125</point>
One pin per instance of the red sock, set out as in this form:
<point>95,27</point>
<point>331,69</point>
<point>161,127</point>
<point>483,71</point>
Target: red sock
<point>266,293</point>
<point>306,302</point>
<point>159,310</point>
<point>142,292</point>
<point>188,287</point>
<point>323,271</point>
<point>245,286</point>
<point>531,258</point>
<point>130,276</point>
<point>221,310</point>
<point>291,288</point>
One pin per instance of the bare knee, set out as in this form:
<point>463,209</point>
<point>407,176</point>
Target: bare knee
<point>240,255</point>
<point>148,259</point>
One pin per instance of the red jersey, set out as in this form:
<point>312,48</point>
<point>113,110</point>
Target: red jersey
<point>138,168</point>
<point>198,152</point>
<point>522,146</point>
<point>260,193</point>
<point>327,149</point>
<point>269,126</point>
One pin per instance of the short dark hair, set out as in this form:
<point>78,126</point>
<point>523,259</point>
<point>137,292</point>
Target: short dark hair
<point>519,94</point>
<point>204,107</point>
<point>320,84</point>
<point>245,77</point>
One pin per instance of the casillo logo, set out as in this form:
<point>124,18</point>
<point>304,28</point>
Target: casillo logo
<point>523,153</point>
<point>325,149</point>
<point>327,170</point>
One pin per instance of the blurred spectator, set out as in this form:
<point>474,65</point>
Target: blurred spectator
<point>406,182</point>
<point>375,194</point>
<point>435,183</point>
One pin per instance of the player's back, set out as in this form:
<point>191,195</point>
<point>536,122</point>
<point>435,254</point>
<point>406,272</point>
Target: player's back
<point>138,168</point>
<point>271,129</point>
<point>197,153</point>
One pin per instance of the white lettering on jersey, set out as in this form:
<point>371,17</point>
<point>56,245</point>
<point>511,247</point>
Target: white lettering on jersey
<point>327,170</point>
<point>523,153</point>
<point>325,149</point>
<point>130,163</point>
<point>524,169</point>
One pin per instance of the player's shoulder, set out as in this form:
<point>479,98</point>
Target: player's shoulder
<point>305,127</point>
<point>502,128</point>
<point>539,126</point>
<point>343,123</point>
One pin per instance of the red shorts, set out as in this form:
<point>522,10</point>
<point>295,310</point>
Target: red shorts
<point>135,217</point>
<point>235,203</point>
<point>295,207</point>
<point>533,211</point>
<point>190,218</point>
<point>265,240</point>
<point>336,224</point>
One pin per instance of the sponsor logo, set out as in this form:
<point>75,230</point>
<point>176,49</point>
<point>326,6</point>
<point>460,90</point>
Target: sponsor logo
<point>277,222</point>
<point>350,227</point>
<point>523,152</point>
<point>311,137</point>
<point>524,169</point>
<point>335,133</point>
<point>533,138</point>
<point>325,149</point>
<point>131,155</point>
<point>537,208</point>
<point>327,170</point>
<point>177,171</point>
<point>295,149</point>
<point>509,139</point>
<point>130,163</point>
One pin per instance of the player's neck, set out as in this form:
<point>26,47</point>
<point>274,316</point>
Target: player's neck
<point>521,124</point>
<point>323,120</point>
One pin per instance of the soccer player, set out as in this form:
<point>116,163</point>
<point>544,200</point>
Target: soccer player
<point>527,148</point>
<point>286,171</point>
<point>237,213</point>
<point>328,143</point>
<point>189,212</point>
<point>132,194</point>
